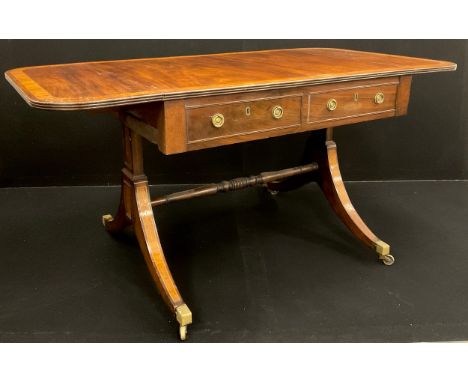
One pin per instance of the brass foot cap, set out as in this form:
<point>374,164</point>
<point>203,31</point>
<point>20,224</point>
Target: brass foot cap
<point>383,249</point>
<point>183,315</point>
<point>106,219</point>
<point>184,318</point>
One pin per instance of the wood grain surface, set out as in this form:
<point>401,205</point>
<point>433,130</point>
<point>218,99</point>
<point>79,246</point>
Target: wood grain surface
<point>119,83</point>
<point>183,125</point>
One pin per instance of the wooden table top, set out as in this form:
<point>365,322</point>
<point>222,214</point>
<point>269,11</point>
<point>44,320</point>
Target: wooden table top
<point>106,84</point>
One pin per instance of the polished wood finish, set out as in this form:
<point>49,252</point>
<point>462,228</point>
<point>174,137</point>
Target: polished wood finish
<point>141,128</point>
<point>403,95</point>
<point>121,83</point>
<point>353,100</point>
<point>135,209</point>
<point>171,102</point>
<point>235,184</point>
<point>186,125</point>
<point>321,148</point>
<point>241,117</point>
<point>333,187</point>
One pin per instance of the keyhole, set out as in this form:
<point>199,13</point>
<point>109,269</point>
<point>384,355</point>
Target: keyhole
<point>247,111</point>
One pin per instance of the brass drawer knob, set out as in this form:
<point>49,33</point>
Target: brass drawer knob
<point>217,120</point>
<point>277,112</point>
<point>332,104</point>
<point>379,98</point>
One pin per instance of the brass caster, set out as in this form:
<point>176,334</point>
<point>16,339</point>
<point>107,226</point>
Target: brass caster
<point>184,318</point>
<point>106,219</point>
<point>383,250</point>
<point>183,333</point>
<point>388,259</point>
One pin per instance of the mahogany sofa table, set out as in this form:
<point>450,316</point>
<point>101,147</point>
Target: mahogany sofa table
<point>196,102</point>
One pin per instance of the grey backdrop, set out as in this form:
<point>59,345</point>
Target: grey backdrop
<point>45,148</point>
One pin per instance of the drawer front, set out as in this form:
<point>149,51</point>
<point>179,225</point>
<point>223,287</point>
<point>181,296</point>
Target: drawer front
<point>351,102</point>
<point>187,124</point>
<point>240,117</point>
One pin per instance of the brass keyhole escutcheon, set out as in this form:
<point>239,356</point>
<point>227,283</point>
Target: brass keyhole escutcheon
<point>217,120</point>
<point>332,104</point>
<point>277,112</point>
<point>247,111</point>
<point>379,98</point>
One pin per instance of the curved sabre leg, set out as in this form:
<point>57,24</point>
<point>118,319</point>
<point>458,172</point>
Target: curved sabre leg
<point>148,238</point>
<point>135,208</point>
<point>122,218</point>
<point>332,185</point>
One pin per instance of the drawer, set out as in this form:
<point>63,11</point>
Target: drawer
<point>211,121</point>
<point>351,102</point>
<point>183,125</point>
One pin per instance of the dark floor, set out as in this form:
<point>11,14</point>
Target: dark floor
<point>250,266</point>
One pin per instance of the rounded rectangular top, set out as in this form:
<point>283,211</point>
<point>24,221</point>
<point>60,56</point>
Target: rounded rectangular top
<point>104,84</point>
